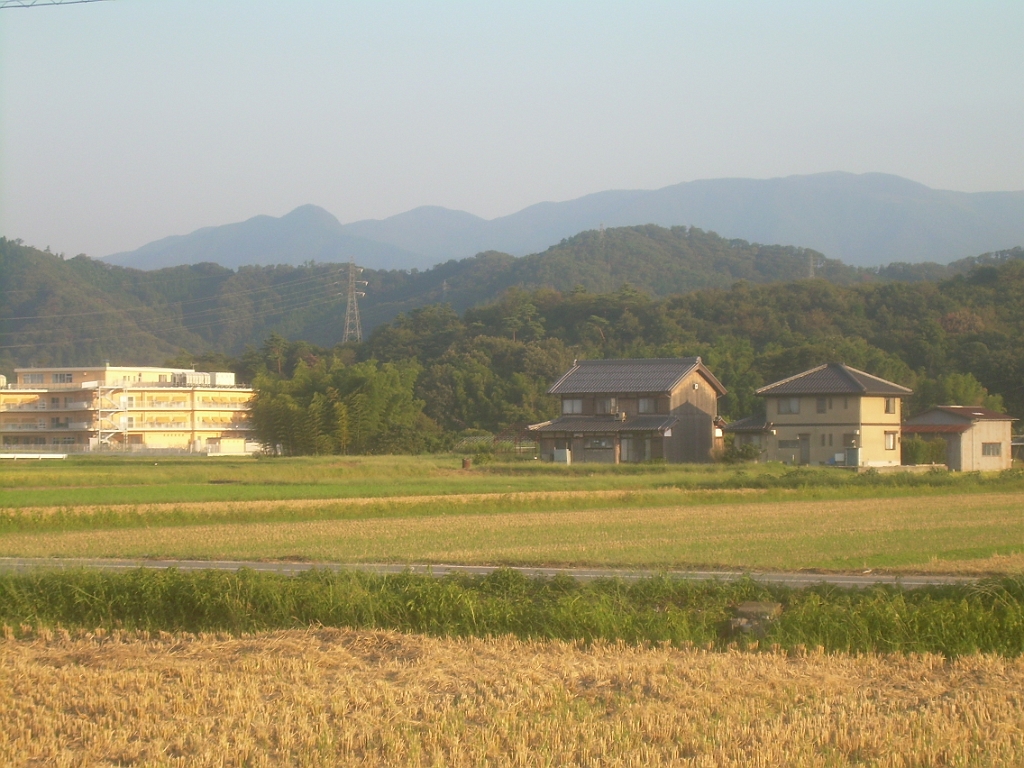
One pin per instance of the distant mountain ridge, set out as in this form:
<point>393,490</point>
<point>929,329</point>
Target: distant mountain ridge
<point>309,233</point>
<point>862,219</point>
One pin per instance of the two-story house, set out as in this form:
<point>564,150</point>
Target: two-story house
<point>617,411</point>
<point>834,414</point>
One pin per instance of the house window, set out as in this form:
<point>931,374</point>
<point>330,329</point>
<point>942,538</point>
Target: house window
<point>599,442</point>
<point>572,405</point>
<point>606,405</point>
<point>31,378</point>
<point>890,405</point>
<point>789,405</point>
<point>647,405</point>
<point>991,449</point>
<point>61,378</point>
<point>890,441</point>
<point>822,405</point>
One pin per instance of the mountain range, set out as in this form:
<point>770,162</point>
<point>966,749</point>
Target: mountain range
<point>862,219</point>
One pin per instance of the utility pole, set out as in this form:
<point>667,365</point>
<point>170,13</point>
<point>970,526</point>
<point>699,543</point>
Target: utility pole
<point>353,327</point>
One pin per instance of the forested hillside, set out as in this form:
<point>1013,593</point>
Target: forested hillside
<point>79,310</point>
<point>488,369</point>
<point>436,370</point>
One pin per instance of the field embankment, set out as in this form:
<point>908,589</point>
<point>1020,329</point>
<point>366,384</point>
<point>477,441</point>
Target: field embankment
<point>987,617</point>
<point>341,697</point>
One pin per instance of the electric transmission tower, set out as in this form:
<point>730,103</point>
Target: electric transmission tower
<point>353,328</point>
<point>33,3</point>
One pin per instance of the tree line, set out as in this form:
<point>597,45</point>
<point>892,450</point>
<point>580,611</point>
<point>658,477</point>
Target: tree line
<point>433,374</point>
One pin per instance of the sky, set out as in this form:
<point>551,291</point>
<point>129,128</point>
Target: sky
<point>125,121</point>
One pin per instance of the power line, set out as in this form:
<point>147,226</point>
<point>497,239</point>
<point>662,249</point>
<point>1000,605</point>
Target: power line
<point>34,3</point>
<point>307,281</point>
<point>154,333</point>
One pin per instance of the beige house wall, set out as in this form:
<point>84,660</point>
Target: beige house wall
<point>861,421</point>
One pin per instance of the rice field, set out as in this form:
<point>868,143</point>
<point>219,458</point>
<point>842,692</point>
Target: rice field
<point>327,697</point>
<point>114,688</point>
<point>953,533</point>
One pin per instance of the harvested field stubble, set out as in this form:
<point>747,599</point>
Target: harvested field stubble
<point>343,697</point>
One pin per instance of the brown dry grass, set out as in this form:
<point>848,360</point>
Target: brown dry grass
<point>955,533</point>
<point>342,697</point>
<point>524,498</point>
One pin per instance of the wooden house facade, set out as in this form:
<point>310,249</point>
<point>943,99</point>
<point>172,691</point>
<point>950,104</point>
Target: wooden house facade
<point>620,411</point>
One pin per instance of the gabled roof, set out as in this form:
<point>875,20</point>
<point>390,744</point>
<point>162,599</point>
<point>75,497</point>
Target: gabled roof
<point>834,379</point>
<point>748,424</point>
<point>640,423</point>
<point>621,376</point>
<point>967,412</point>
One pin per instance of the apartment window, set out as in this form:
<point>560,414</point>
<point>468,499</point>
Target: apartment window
<point>606,405</point>
<point>61,378</point>
<point>991,449</point>
<point>822,405</point>
<point>572,405</point>
<point>890,405</point>
<point>789,443</point>
<point>647,405</point>
<point>890,441</point>
<point>789,405</point>
<point>31,378</point>
<point>829,439</point>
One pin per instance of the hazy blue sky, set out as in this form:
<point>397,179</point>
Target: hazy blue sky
<point>125,121</point>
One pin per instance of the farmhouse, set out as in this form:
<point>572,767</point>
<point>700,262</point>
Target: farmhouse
<point>617,411</point>
<point>976,438</point>
<point>123,408</point>
<point>833,414</point>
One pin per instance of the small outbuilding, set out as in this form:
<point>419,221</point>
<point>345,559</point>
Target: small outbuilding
<point>976,438</point>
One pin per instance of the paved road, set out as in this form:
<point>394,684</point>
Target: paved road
<point>792,579</point>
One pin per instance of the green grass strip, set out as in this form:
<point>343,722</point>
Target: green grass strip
<point>951,620</point>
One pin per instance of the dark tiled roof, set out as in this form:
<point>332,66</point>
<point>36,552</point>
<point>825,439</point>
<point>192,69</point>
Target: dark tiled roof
<point>620,376</point>
<point>973,412</point>
<point>748,424</point>
<point>834,379</point>
<point>644,423</point>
